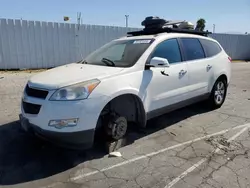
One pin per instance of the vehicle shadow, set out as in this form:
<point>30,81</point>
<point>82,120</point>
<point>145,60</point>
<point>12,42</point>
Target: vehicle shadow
<point>166,120</point>
<point>24,158</point>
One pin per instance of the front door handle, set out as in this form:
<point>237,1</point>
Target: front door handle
<point>182,72</point>
<point>209,67</point>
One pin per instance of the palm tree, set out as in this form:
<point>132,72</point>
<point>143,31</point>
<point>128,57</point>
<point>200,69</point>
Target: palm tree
<point>200,24</point>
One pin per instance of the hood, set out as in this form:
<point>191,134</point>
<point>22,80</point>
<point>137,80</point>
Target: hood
<point>70,74</point>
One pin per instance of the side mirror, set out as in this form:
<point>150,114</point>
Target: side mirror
<point>159,62</point>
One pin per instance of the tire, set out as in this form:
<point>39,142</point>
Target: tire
<point>218,94</point>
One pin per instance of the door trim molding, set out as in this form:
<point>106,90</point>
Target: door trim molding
<point>172,107</point>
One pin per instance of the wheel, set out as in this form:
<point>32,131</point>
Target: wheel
<point>218,94</point>
<point>111,128</point>
<point>110,135</point>
<point>116,127</point>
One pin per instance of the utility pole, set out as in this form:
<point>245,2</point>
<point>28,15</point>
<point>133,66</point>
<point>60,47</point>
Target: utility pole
<point>78,17</point>
<point>126,16</point>
<point>213,28</point>
<point>79,21</point>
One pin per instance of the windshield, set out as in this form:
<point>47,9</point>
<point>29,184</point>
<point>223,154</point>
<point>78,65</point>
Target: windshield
<point>122,53</point>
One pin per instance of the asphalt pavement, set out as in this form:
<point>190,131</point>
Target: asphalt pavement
<point>190,148</point>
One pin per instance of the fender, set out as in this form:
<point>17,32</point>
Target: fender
<point>216,76</point>
<point>140,106</point>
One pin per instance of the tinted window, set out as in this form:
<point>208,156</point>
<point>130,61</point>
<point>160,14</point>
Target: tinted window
<point>169,50</point>
<point>193,49</point>
<point>211,48</point>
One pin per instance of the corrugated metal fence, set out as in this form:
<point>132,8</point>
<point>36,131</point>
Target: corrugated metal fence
<point>35,44</point>
<point>237,46</point>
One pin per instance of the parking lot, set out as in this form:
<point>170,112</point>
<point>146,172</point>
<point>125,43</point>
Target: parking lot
<point>191,147</point>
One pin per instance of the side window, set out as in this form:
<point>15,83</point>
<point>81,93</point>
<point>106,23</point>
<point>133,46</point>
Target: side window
<point>169,50</point>
<point>192,49</point>
<point>211,48</point>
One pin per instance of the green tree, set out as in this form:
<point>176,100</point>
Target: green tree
<point>200,24</point>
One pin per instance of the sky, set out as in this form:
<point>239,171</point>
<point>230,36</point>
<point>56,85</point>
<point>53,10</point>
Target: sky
<point>229,16</point>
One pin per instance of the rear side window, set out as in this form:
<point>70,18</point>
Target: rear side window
<point>211,48</point>
<point>192,49</point>
<point>169,50</point>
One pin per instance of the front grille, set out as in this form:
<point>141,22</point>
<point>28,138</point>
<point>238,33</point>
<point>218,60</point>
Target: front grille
<point>31,108</point>
<point>42,94</point>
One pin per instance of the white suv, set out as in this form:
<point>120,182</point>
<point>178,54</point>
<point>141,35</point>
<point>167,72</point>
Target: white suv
<point>131,79</point>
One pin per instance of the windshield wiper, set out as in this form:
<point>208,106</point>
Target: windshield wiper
<point>108,62</point>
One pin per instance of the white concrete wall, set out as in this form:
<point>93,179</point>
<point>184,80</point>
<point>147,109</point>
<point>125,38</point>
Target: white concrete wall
<point>34,44</point>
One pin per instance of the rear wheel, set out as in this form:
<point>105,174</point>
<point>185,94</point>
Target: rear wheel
<point>218,94</point>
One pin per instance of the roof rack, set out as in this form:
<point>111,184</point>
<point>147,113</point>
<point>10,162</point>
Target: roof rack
<point>156,25</point>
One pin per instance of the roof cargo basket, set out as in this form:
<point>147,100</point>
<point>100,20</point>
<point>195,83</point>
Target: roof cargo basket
<point>154,25</point>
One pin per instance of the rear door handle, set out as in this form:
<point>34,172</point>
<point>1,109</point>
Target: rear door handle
<point>182,72</point>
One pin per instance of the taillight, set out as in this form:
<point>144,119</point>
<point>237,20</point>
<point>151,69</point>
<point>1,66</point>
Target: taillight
<point>229,58</point>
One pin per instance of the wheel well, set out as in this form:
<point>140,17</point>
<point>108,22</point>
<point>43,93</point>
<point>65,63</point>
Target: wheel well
<point>127,105</point>
<point>223,77</point>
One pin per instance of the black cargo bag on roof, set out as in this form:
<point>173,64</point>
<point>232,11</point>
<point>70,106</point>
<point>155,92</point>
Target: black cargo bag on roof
<point>153,23</point>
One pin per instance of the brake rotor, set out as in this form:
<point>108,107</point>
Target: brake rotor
<point>118,127</point>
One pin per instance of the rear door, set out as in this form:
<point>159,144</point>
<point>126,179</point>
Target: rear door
<point>214,58</point>
<point>199,68</point>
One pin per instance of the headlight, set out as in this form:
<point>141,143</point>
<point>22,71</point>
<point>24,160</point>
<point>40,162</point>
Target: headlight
<point>75,92</point>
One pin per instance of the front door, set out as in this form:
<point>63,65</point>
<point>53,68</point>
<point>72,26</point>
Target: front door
<point>166,86</point>
<point>200,68</point>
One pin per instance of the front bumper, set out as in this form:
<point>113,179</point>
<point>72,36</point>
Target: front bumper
<point>72,140</point>
<point>39,111</point>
